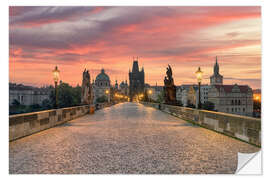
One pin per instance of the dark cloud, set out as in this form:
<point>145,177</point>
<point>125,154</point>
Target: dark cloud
<point>233,34</point>
<point>92,30</point>
<point>44,14</point>
<point>19,10</point>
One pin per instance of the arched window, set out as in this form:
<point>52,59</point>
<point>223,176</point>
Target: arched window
<point>235,102</point>
<point>239,102</point>
<point>232,102</point>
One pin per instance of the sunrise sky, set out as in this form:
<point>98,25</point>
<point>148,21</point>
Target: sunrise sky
<point>75,38</point>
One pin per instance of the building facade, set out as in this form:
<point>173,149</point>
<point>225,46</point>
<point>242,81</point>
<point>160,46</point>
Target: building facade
<point>178,93</point>
<point>102,85</point>
<point>193,94</point>
<point>156,92</point>
<point>189,94</point>
<point>182,96</point>
<point>28,95</point>
<point>136,80</point>
<point>234,99</point>
<point>123,87</point>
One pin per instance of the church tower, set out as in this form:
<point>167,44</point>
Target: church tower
<point>216,78</point>
<point>116,85</point>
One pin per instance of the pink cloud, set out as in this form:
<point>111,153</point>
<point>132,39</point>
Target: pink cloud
<point>159,36</point>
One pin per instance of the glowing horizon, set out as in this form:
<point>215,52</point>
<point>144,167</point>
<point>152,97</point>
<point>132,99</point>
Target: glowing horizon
<point>74,38</point>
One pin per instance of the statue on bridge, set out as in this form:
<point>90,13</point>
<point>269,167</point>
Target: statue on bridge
<point>169,87</point>
<point>87,94</point>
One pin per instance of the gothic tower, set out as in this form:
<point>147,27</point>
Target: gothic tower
<point>136,80</point>
<point>216,78</point>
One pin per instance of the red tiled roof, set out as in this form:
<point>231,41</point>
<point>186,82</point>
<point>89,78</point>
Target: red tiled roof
<point>257,91</point>
<point>228,88</point>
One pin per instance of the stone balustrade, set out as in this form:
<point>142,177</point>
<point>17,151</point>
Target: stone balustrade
<point>25,124</point>
<point>245,128</point>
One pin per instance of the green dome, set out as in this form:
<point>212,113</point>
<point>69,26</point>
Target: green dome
<point>102,76</point>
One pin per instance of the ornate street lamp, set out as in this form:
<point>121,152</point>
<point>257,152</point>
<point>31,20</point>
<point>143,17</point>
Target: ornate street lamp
<point>199,79</point>
<point>149,94</point>
<point>108,94</point>
<point>56,73</point>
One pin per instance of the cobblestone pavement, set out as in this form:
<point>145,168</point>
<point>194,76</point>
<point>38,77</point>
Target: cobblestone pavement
<point>126,138</point>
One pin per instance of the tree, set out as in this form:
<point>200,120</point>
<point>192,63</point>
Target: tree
<point>77,93</point>
<point>16,107</point>
<point>161,97</point>
<point>102,99</point>
<point>52,98</point>
<point>46,104</point>
<point>256,105</point>
<point>256,108</point>
<point>35,106</point>
<point>208,106</point>
<point>67,95</point>
<point>145,97</point>
<point>179,103</point>
<point>16,103</point>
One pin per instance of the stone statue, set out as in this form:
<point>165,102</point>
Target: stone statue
<point>86,97</point>
<point>169,87</point>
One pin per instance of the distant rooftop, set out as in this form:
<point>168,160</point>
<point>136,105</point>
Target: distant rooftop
<point>228,88</point>
<point>14,86</point>
<point>257,91</point>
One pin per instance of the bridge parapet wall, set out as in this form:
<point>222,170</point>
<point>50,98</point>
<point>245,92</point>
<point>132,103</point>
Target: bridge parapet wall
<point>28,123</point>
<point>245,128</point>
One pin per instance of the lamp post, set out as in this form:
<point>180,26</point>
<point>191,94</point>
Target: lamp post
<point>199,79</point>
<point>140,96</point>
<point>149,94</point>
<point>56,78</point>
<point>108,94</point>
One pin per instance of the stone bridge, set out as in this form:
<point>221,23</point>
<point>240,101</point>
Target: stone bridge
<point>126,138</point>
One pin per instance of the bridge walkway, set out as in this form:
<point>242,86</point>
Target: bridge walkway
<point>126,138</point>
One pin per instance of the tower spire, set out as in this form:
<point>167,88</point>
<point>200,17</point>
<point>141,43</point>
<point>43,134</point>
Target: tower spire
<point>216,67</point>
<point>216,78</point>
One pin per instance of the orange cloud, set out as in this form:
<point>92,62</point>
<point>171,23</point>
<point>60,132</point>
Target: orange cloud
<point>185,37</point>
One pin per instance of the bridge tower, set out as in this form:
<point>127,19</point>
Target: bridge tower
<point>136,80</point>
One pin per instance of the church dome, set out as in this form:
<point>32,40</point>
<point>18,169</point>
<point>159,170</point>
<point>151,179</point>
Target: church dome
<point>122,83</point>
<point>102,76</point>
